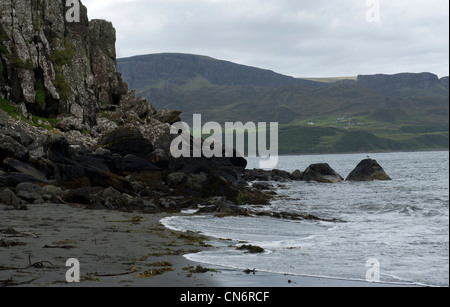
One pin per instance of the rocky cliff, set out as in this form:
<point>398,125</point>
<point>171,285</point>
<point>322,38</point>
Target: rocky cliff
<point>398,84</point>
<point>70,131</point>
<point>66,71</point>
<point>51,67</point>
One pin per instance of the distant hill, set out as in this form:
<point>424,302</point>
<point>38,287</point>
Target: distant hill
<point>185,69</point>
<point>316,115</point>
<point>405,84</point>
<point>331,79</point>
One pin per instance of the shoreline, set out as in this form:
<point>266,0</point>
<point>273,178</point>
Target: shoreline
<point>360,153</point>
<point>114,249</point>
<point>117,249</point>
<point>233,277</point>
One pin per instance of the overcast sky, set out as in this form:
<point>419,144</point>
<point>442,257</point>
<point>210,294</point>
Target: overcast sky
<point>300,38</point>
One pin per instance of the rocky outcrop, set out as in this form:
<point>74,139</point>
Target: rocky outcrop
<point>71,132</point>
<point>368,170</point>
<point>267,175</point>
<point>51,67</point>
<point>322,173</point>
<point>127,140</point>
<point>63,75</point>
<point>109,176</point>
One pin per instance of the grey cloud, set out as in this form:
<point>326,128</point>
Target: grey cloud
<point>297,38</point>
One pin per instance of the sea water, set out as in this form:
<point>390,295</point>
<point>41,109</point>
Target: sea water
<point>403,223</point>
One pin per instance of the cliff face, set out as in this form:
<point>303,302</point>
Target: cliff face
<point>82,131</point>
<point>51,67</point>
<point>397,84</point>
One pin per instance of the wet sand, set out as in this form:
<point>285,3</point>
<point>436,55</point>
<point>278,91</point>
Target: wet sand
<point>117,249</point>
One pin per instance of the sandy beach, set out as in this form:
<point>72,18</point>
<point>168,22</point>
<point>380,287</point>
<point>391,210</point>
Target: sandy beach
<point>117,249</point>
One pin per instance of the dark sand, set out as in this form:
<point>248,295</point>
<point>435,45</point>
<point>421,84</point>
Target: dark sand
<point>129,246</point>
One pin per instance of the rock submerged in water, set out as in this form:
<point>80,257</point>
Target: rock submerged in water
<point>368,170</point>
<point>322,173</point>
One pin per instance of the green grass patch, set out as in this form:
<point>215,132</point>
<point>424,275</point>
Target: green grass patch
<point>5,106</point>
<point>40,94</point>
<point>46,123</point>
<point>61,58</point>
<point>11,110</point>
<point>3,49</point>
<point>17,62</point>
<point>62,85</point>
<point>64,56</point>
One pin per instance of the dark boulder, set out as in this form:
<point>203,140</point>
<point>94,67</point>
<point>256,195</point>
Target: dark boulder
<point>132,163</point>
<point>12,179</point>
<point>147,179</point>
<point>368,170</point>
<point>267,175</point>
<point>167,116</point>
<point>18,134</point>
<point>239,162</point>
<point>221,167</point>
<point>262,186</point>
<point>127,140</point>
<point>56,148</point>
<point>90,171</point>
<point>296,175</point>
<point>222,206</point>
<point>9,148</point>
<point>113,199</point>
<point>159,158</point>
<point>83,196</point>
<point>52,193</point>
<point>175,179</point>
<point>10,199</point>
<point>197,164</point>
<point>196,182</point>
<point>322,173</point>
<point>29,192</point>
<point>25,169</point>
<point>101,177</point>
<point>218,186</point>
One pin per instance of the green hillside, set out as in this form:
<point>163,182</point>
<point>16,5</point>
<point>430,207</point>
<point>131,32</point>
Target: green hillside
<point>319,115</point>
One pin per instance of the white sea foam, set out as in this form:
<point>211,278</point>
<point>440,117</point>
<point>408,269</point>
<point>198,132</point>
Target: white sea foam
<point>403,223</point>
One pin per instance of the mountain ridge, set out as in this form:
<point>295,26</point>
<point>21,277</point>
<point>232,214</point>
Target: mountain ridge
<point>379,112</point>
<point>217,72</point>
